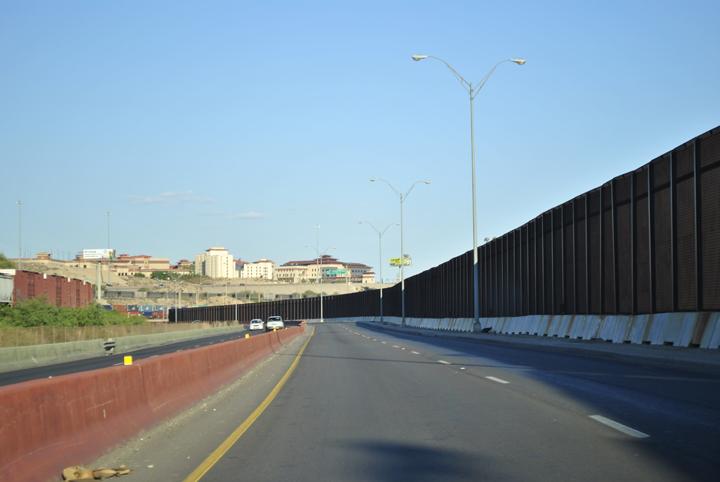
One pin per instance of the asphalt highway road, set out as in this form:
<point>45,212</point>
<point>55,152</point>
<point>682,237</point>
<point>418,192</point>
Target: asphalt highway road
<point>371,405</point>
<point>17,376</point>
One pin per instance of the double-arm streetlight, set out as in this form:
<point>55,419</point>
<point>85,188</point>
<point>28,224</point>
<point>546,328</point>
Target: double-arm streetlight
<point>472,90</point>
<point>380,263</point>
<point>402,197</point>
<point>318,267</point>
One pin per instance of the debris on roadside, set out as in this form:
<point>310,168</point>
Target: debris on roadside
<point>78,472</point>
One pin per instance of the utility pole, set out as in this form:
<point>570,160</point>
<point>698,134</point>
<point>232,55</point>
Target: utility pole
<point>380,263</point>
<point>318,267</point>
<point>19,206</point>
<point>108,229</point>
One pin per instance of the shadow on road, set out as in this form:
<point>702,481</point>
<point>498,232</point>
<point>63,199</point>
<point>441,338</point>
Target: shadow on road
<point>394,462</point>
<point>677,405</point>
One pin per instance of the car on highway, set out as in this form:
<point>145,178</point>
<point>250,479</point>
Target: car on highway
<point>274,323</point>
<point>256,324</point>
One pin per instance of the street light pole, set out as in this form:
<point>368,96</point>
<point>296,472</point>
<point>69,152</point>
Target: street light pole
<point>318,268</point>
<point>472,90</point>
<point>108,229</point>
<point>380,235</point>
<point>402,197</point>
<point>19,206</point>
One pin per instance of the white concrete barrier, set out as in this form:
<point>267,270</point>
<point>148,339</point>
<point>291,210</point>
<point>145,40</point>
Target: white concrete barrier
<point>672,328</point>
<point>711,334</point>
<point>615,328</point>
<point>678,329</point>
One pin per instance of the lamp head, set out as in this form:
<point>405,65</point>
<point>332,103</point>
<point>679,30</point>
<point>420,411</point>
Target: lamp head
<point>518,61</point>
<point>418,57</point>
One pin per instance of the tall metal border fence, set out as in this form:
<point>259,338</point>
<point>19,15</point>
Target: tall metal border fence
<point>647,241</point>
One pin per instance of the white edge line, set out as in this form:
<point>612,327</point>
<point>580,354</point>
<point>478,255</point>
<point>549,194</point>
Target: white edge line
<point>619,427</point>
<point>496,379</point>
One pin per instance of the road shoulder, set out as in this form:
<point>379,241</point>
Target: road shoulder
<point>174,448</point>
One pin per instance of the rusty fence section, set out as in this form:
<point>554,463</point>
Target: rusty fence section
<point>647,241</point>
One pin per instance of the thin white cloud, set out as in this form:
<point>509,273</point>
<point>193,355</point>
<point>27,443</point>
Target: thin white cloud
<point>171,197</point>
<point>247,215</point>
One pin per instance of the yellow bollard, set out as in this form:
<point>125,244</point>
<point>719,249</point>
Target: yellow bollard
<point>247,335</point>
<point>127,360</point>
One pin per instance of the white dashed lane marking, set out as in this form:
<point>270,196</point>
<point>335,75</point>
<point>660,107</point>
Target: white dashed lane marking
<point>444,362</point>
<point>415,352</point>
<point>619,427</point>
<point>496,379</point>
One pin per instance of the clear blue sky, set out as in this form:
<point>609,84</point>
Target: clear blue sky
<point>245,124</point>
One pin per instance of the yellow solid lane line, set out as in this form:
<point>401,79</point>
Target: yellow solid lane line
<point>222,449</point>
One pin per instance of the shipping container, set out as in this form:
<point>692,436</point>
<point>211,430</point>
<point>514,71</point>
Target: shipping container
<point>6,288</point>
<point>56,290</point>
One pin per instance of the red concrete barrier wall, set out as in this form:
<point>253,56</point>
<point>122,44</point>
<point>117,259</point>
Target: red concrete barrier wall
<point>48,424</point>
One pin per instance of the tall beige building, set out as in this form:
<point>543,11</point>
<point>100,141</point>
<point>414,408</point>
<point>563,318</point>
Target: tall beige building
<point>216,262</point>
<point>261,269</point>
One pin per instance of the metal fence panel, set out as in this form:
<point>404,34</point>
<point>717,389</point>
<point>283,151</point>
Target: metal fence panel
<point>645,242</point>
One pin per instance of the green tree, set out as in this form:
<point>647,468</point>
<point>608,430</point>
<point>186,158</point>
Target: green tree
<point>6,263</point>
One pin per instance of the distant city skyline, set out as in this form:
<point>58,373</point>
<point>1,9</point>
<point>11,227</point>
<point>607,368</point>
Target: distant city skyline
<point>252,124</point>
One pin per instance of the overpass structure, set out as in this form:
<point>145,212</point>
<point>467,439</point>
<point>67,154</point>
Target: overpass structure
<point>637,258</point>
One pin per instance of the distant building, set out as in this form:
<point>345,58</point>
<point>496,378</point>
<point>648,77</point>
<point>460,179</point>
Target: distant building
<point>239,264</point>
<point>261,269</point>
<point>291,274</point>
<point>126,265</point>
<point>326,267</point>
<point>216,262</point>
<point>358,272</point>
<point>184,266</point>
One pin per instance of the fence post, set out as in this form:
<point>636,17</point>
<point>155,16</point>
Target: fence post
<point>633,245</point>
<point>698,227</point>
<point>651,236</point>
<point>673,231</point>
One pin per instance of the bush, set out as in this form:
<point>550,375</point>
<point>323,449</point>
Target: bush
<point>38,312</point>
<point>6,263</point>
